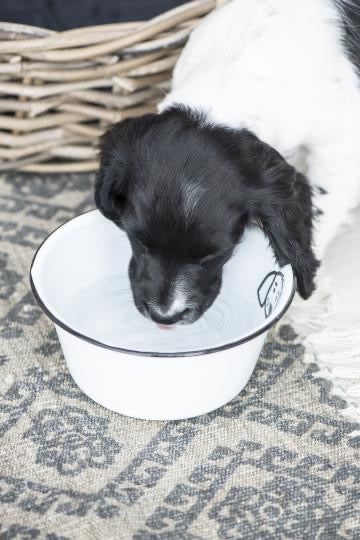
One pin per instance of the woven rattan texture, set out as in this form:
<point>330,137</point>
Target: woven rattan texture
<point>59,91</point>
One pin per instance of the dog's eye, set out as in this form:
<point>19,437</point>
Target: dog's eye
<point>203,261</point>
<point>219,257</point>
<point>208,259</point>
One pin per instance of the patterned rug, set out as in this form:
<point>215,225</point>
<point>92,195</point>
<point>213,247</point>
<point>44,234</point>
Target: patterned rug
<point>276,462</point>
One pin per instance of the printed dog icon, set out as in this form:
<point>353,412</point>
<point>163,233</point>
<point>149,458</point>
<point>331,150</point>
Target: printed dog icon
<point>269,291</point>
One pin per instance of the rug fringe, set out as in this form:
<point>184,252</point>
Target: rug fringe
<point>335,348</point>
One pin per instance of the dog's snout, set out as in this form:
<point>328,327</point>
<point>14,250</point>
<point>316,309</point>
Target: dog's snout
<point>170,294</point>
<point>165,317</point>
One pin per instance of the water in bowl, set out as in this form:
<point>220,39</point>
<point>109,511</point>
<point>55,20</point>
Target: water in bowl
<point>105,311</point>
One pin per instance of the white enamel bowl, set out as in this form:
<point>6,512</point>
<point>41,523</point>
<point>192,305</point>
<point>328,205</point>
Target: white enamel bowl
<point>124,361</point>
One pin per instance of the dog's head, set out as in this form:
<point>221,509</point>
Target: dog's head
<point>183,190</point>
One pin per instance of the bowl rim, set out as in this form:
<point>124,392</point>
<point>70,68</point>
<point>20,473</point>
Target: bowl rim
<point>197,352</point>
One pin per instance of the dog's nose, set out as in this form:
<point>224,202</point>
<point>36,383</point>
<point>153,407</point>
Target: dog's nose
<point>165,317</point>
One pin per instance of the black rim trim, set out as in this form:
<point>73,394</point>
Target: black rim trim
<point>198,352</point>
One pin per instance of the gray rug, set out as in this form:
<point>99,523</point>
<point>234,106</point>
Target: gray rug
<point>277,462</point>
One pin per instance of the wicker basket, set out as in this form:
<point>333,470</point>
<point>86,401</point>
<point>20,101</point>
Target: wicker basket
<point>59,91</point>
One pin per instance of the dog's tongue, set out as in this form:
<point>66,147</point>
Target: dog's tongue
<point>165,326</point>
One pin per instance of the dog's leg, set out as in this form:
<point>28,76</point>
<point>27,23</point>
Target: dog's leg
<point>334,172</point>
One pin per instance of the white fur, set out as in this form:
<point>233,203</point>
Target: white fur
<point>178,304</point>
<point>278,68</point>
<point>179,300</point>
<point>191,197</point>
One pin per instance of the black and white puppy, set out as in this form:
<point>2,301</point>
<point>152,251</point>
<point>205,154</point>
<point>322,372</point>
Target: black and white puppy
<point>258,83</point>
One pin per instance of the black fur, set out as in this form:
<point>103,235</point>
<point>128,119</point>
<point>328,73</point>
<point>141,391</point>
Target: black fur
<point>145,164</point>
<point>350,18</point>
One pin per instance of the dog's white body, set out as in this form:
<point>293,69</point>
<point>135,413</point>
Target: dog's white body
<point>279,69</point>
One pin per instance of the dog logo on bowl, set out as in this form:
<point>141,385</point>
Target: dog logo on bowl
<point>269,291</point>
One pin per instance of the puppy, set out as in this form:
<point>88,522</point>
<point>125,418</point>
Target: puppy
<point>258,83</point>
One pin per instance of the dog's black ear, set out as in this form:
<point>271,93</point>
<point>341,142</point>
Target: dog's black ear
<point>281,199</point>
<point>117,157</point>
<point>112,177</point>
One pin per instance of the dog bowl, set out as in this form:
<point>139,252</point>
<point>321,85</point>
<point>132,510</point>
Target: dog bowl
<point>126,363</point>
